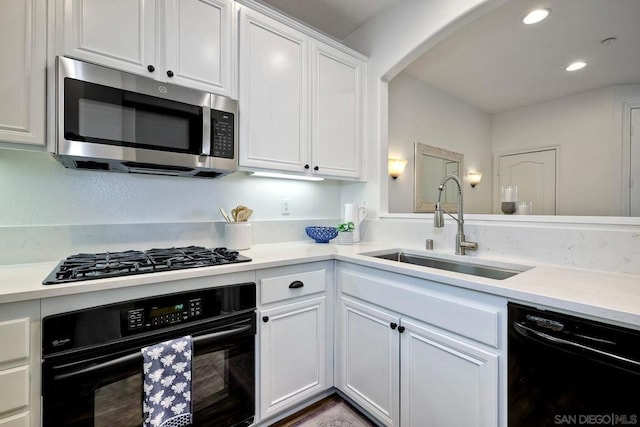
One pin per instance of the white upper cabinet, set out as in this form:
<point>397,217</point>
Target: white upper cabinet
<point>199,44</point>
<point>337,121</point>
<point>23,65</point>
<point>301,99</point>
<point>186,42</point>
<point>273,85</point>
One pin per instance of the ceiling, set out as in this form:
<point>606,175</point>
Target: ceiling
<point>496,62</point>
<point>336,18</point>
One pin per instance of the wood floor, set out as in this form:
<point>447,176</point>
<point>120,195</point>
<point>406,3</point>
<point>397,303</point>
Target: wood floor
<point>332,411</point>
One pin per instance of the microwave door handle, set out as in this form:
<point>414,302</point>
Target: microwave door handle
<point>206,131</point>
<point>202,339</point>
<point>527,331</point>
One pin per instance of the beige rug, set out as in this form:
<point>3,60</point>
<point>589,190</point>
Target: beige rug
<point>330,412</point>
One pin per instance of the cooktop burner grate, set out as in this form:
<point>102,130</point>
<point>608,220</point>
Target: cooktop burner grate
<point>113,264</point>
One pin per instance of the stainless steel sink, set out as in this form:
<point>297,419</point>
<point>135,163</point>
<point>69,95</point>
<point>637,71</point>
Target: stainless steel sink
<point>482,270</point>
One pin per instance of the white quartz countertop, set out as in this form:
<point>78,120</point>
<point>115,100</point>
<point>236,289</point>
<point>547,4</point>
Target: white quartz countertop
<point>609,296</point>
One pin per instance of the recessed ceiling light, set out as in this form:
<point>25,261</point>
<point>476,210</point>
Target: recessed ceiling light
<point>536,16</point>
<point>574,66</point>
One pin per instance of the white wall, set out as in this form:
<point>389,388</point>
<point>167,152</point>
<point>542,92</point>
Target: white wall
<point>37,190</point>
<point>392,40</point>
<point>421,113</point>
<point>590,157</point>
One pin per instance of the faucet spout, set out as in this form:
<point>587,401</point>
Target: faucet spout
<point>438,219</point>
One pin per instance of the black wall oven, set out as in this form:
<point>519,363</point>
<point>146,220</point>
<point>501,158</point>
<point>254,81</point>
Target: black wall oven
<point>92,364</point>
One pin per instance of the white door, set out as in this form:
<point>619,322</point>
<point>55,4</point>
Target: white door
<point>535,175</point>
<point>273,85</point>
<point>338,87</point>
<point>370,357</point>
<point>445,382</point>
<point>120,34</point>
<point>293,348</point>
<point>22,85</point>
<point>198,44</point>
<point>634,182</point>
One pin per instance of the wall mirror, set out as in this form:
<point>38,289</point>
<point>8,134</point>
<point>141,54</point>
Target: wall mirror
<point>497,87</point>
<point>432,164</point>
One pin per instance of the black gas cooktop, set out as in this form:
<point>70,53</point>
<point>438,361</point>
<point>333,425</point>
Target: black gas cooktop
<point>113,264</point>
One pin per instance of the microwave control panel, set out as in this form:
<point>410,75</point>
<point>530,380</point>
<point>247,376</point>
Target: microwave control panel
<point>222,134</point>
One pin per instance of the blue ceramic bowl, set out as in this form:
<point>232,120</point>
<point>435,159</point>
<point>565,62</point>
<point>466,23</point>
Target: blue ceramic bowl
<point>321,234</point>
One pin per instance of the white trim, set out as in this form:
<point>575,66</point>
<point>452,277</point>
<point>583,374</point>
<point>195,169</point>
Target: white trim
<point>625,131</point>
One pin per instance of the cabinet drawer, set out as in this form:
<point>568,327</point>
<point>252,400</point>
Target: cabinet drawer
<point>14,389</point>
<point>20,420</point>
<point>14,335</point>
<point>292,286</point>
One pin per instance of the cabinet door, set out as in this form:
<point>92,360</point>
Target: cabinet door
<point>198,44</point>
<point>337,112</point>
<point>369,357</point>
<point>117,33</point>
<point>293,350</point>
<point>273,85</point>
<point>22,105</point>
<point>20,420</point>
<point>20,377</point>
<point>446,382</point>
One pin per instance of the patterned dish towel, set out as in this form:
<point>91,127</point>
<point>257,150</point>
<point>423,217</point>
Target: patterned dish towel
<point>166,400</point>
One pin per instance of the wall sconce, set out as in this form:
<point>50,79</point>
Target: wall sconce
<point>396,167</point>
<point>474,178</point>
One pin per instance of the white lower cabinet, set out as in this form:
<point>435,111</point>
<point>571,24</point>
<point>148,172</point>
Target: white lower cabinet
<point>409,354</point>
<point>295,334</point>
<point>370,359</point>
<point>445,382</point>
<point>20,364</point>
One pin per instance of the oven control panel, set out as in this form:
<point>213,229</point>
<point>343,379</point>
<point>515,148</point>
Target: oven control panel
<point>144,316</point>
<point>155,315</point>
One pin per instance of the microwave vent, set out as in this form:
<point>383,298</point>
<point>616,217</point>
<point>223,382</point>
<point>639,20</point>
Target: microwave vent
<point>92,165</point>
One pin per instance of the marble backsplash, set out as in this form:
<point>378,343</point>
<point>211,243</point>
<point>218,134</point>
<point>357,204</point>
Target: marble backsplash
<point>28,244</point>
<point>591,246</point>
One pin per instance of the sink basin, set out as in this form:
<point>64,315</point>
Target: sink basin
<point>482,270</point>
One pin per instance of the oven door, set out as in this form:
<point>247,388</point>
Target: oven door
<point>103,387</point>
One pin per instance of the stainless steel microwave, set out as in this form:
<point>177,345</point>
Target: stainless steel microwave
<point>115,121</point>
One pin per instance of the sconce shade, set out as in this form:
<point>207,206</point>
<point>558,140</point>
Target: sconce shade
<point>396,167</point>
<point>474,178</point>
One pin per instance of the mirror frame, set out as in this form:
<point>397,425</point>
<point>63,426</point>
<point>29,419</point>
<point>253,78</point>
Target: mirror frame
<point>429,206</point>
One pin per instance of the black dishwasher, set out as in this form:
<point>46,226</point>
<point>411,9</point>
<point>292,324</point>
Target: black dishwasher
<point>565,370</point>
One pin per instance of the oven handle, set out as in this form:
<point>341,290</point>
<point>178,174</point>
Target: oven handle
<point>526,331</point>
<point>202,339</point>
